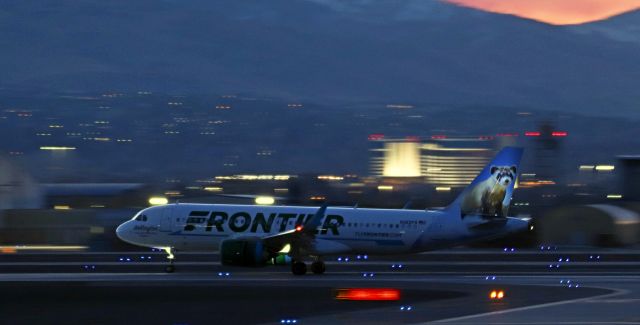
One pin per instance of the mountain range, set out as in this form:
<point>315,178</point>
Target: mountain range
<point>410,51</point>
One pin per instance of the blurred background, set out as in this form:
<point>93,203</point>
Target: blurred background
<point>74,167</point>
<point>108,108</point>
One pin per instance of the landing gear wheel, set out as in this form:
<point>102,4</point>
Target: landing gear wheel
<point>298,268</point>
<point>318,267</point>
<point>170,268</point>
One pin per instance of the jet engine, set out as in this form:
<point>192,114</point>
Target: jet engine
<point>244,252</point>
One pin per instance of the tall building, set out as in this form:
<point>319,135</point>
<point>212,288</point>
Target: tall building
<point>444,162</point>
<point>448,162</point>
<point>395,157</point>
<point>546,152</point>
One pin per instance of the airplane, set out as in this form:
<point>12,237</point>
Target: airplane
<point>257,235</point>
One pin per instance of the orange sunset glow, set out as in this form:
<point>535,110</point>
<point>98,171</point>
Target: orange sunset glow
<point>555,12</point>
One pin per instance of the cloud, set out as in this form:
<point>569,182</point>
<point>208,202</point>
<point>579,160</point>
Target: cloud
<point>556,12</point>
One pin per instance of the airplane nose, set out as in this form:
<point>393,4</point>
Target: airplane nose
<point>122,231</point>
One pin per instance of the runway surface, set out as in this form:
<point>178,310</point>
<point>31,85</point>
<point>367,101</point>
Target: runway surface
<point>449,288</point>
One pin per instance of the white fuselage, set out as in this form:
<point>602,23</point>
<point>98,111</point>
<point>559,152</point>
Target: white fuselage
<point>202,227</point>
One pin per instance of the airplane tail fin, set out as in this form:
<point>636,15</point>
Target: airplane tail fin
<point>489,195</point>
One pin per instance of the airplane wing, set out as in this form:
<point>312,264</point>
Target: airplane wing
<point>299,238</point>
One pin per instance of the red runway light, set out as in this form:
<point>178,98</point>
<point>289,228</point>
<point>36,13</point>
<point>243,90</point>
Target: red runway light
<point>532,134</point>
<point>368,294</point>
<point>559,134</point>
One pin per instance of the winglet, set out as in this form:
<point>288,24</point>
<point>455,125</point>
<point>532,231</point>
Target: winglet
<point>312,224</point>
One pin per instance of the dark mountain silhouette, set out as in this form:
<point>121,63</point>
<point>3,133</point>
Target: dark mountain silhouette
<point>625,27</point>
<point>413,51</point>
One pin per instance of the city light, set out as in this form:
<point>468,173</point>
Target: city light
<point>53,148</point>
<point>265,200</point>
<point>42,248</point>
<point>614,196</point>
<point>330,178</point>
<point>158,200</point>
<point>385,188</point>
<point>249,177</point>
<point>559,134</point>
<point>605,168</point>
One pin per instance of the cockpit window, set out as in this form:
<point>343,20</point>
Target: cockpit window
<point>140,217</point>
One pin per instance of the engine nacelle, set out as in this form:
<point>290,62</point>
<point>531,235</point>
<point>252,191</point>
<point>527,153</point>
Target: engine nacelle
<point>243,252</point>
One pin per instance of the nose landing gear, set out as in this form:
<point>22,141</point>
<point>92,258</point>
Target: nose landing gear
<point>169,268</point>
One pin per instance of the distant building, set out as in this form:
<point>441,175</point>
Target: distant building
<point>449,162</point>
<point>441,161</point>
<point>546,152</point>
<point>630,176</point>
<point>96,195</point>
<point>592,225</point>
<point>17,189</point>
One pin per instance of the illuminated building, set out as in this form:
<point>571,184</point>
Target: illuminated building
<point>454,162</point>
<point>401,159</point>
<point>445,162</point>
<point>395,157</point>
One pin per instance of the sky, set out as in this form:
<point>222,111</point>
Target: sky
<point>555,12</point>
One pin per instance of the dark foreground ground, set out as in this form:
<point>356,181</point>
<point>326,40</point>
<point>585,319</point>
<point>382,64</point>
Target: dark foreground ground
<point>123,288</point>
<point>179,299</point>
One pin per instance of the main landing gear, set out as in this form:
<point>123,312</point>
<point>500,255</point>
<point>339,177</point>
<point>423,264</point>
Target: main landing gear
<point>318,267</point>
<point>300,268</point>
<point>169,268</point>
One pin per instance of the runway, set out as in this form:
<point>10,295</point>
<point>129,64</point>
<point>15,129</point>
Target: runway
<point>204,293</point>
